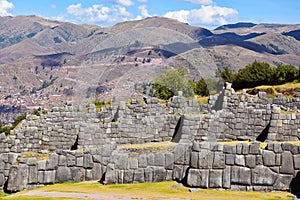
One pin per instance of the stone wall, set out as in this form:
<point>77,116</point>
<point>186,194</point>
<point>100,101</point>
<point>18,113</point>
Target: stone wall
<point>244,166</point>
<point>70,144</point>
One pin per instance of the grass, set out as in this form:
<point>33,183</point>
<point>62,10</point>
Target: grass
<point>150,145</point>
<point>202,100</point>
<point>288,90</point>
<point>262,145</point>
<point>152,191</point>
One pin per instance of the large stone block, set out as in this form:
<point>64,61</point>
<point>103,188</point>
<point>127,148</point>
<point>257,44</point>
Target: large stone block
<point>78,173</point>
<point>159,159</point>
<point>52,163</point>
<point>18,178</point>
<point>297,162</point>
<point>122,161</point>
<point>215,178</point>
<point>97,171</point>
<point>142,161</point>
<point>283,182</point>
<point>226,177</point>
<point>219,160</point>
<point>250,161</point>
<point>49,177</point>
<point>32,174</point>
<point>88,161</point>
<point>287,163</point>
<point>63,174</point>
<point>198,178</point>
<point>2,180</point>
<point>138,176</point>
<point>239,160</point>
<point>182,154</point>
<point>170,159</point>
<point>268,158</point>
<point>240,175</point>
<point>159,174</point>
<point>194,160</point>
<point>262,175</point>
<point>206,158</point>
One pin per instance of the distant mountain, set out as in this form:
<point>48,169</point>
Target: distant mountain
<point>47,57</point>
<point>237,25</point>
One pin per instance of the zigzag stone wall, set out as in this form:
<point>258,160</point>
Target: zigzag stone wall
<point>67,145</point>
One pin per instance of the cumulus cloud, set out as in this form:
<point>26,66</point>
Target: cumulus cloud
<point>125,2</point>
<point>5,6</point>
<point>206,15</point>
<point>98,13</point>
<point>143,1</point>
<point>202,2</point>
<point>144,12</point>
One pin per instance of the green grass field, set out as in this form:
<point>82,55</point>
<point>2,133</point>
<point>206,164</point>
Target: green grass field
<point>151,191</point>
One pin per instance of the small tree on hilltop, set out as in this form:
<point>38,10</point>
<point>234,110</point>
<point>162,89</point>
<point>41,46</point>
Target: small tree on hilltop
<point>170,82</point>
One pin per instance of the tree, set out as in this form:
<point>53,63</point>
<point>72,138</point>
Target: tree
<point>200,88</point>
<point>226,75</point>
<point>255,74</point>
<point>284,74</point>
<point>170,82</point>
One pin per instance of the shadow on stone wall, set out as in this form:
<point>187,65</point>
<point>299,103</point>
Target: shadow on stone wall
<point>264,134</point>
<point>295,185</point>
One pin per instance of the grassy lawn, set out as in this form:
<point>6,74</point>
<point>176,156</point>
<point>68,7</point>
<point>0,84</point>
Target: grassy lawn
<point>152,191</point>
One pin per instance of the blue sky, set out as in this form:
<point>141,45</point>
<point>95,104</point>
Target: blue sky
<point>205,13</point>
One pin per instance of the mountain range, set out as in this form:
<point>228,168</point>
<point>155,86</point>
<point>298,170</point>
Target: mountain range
<point>40,56</point>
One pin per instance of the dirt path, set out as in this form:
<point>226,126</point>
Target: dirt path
<point>105,196</point>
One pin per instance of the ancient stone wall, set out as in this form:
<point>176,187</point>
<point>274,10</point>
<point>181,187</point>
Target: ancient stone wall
<point>70,144</point>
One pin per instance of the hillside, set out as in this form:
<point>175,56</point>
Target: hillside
<point>41,58</point>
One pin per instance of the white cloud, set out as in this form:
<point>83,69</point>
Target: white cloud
<point>202,2</point>
<point>125,2</point>
<point>143,1</point>
<point>98,14</point>
<point>144,12</point>
<point>5,6</point>
<point>206,15</point>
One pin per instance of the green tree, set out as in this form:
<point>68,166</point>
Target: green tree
<point>284,74</point>
<point>255,74</point>
<point>200,88</point>
<point>170,82</point>
<point>226,75</point>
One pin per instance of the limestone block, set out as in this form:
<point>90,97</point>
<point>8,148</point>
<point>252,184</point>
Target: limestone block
<point>239,160</point>
<point>159,159</point>
<point>262,175</point>
<point>194,178</point>
<point>159,174</point>
<point>2,180</point>
<point>150,159</point>
<point>283,182</point>
<point>219,160</point>
<point>170,161</point>
<point>226,177</point>
<point>49,177</point>
<point>138,176</point>
<point>18,178</point>
<point>254,148</point>
<point>77,173</point>
<point>97,171</point>
<point>182,154</point>
<point>122,161</point>
<point>148,174</point>
<point>41,176</point>
<point>89,175</point>
<point>229,159</point>
<point>31,161</point>
<point>268,158</point>
<point>250,161</point>
<point>88,161</point>
<point>62,160</point>
<point>42,165</point>
<point>79,161</point>
<point>206,158</point>
<point>296,162</point>
<point>215,178</point>
<point>194,160</point>
<point>52,163</point>
<point>240,175</point>
<point>32,174</point>
<point>133,163</point>
<point>142,160</point>
<point>63,174</point>
<point>110,175</point>
<point>287,164</point>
